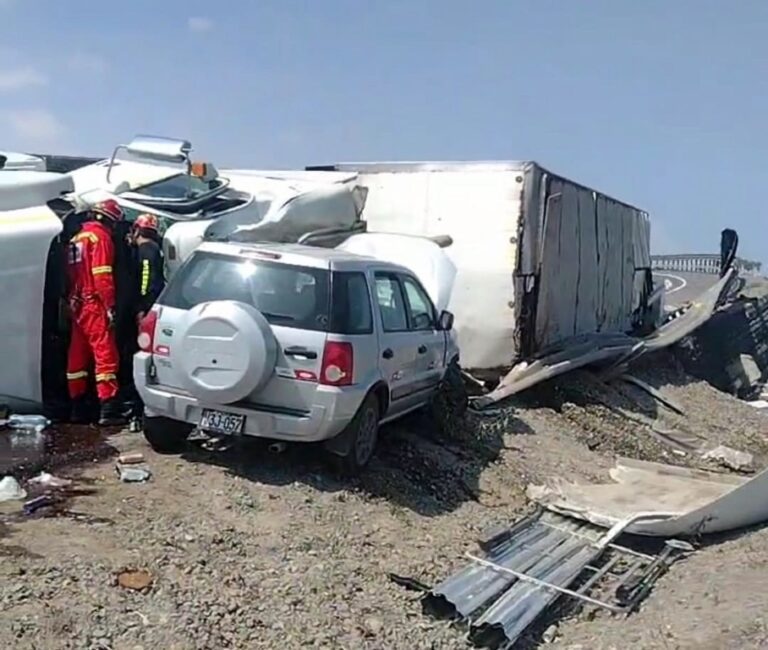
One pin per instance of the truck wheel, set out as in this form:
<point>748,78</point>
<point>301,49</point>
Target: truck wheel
<point>362,433</point>
<point>166,436</point>
<point>450,403</point>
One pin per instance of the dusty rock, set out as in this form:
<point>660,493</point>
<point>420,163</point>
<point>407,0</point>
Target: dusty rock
<point>550,634</point>
<point>740,461</point>
<point>136,579</point>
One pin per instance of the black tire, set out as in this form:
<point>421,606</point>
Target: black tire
<point>450,403</point>
<point>166,436</point>
<point>363,433</point>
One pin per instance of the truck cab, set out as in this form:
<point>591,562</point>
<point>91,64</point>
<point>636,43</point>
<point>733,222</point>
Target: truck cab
<point>29,228</point>
<point>194,202</point>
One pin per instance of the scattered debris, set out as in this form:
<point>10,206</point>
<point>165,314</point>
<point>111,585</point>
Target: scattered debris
<point>550,634</point>
<point>131,458</point>
<point>135,579</point>
<point>535,562</point>
<point>372,626</point>
<point>740,461</point>
<point>729,351</point>
<point>10,490</point>
<point>653,392</point>
<point>36,423</point>
<point>35,504</point>
<point>759,404</point>
<point>565,358</point>
<point>133,473</point>
<point>617,350</point>
<point>677,440</point>
<point>50,481</point>
<point>411,584</point>
<point>679,501</point>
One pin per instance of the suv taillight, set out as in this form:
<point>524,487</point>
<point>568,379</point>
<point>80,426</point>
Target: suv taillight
<point>147,331</point>
<point>338,364</point>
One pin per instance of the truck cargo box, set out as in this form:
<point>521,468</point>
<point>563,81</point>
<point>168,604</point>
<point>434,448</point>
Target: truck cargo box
<point>540,259</point>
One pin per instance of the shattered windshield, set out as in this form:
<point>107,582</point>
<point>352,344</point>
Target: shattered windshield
<point>181,187</point>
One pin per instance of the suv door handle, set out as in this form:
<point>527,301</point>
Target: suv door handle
<point>422,349</point>
<point>388,354</point>
<point>298,351</point>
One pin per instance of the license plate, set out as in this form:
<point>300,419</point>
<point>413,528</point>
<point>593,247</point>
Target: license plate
<point>219,422</point>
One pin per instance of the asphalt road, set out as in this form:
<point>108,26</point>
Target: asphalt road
<point>683,287</point>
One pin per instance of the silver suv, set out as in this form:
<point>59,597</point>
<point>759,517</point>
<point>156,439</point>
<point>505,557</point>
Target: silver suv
<point>292,343</point>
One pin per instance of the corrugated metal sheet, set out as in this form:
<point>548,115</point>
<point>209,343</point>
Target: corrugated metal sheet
<point>499,607</point>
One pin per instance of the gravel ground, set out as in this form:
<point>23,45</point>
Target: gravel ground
<point>251,550</point>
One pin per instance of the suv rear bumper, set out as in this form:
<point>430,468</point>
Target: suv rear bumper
<point>332,410</point>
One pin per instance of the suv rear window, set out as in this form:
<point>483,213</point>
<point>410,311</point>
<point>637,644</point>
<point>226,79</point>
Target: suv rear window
<point>351,304</point>
<point>289,296</point>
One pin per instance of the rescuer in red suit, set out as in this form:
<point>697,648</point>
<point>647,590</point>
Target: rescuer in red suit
<point>91,298</point>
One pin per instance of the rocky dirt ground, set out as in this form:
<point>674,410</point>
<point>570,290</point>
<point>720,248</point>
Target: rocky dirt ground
<point>251,550</point>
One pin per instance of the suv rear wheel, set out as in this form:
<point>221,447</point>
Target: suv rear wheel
<point>166,436</point>
<point>363,432</point>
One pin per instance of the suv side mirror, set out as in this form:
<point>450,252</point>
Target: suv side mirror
<point>445,322</point>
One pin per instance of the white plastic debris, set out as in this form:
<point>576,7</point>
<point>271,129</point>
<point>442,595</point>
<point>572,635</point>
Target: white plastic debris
<point>44,479</point>
<point>731,458</point>
<point>133,473</point>
<point>10,490</point>
<point>36,423</point>
<point>759,404</point>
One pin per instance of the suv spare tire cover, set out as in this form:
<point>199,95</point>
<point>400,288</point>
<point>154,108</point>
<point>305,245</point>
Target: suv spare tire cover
<point>227,351</point>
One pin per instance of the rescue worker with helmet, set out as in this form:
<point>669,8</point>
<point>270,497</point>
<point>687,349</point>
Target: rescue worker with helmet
<point>144,285</point>
<point>149,263</point>
<point>91,298</point>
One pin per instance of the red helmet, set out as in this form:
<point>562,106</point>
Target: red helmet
<point>109,209</point>
<point>146,222</point>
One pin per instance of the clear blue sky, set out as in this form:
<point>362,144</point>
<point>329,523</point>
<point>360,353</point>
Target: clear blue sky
<point>662,103</point>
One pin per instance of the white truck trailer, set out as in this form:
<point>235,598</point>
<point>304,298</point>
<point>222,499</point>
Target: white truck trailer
<point>541,260</point>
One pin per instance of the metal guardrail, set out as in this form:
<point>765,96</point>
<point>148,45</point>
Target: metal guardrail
<point>699,263</point>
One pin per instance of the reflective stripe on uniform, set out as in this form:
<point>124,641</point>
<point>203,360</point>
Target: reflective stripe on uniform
<point>144,277</point>
<point>101,270</point>
<point>107,376</point>
<point>92,237</point>
<point>73,376</point>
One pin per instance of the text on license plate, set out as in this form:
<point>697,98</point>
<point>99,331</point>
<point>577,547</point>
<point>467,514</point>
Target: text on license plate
<point>219,422</point>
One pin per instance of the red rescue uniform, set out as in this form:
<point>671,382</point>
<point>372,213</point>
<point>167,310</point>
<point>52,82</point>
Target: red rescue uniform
<point>92,303</point>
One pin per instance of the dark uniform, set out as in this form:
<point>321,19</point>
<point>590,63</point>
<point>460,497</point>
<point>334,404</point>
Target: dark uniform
<point>151,277</point>
<point>146,282</point>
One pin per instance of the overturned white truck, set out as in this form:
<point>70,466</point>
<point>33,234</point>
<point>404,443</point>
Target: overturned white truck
<point>540,259</point>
